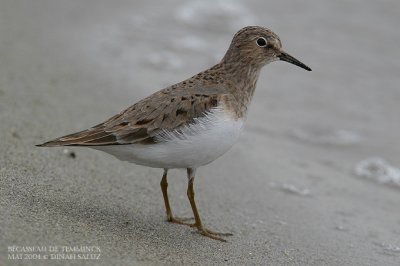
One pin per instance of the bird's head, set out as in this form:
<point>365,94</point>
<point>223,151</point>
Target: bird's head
<point>258,46</point>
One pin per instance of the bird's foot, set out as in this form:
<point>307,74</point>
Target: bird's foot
<point>212,234</point>
<point>178,220</point>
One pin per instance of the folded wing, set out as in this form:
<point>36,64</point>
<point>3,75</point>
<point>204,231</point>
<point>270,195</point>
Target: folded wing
<point>140,123</point>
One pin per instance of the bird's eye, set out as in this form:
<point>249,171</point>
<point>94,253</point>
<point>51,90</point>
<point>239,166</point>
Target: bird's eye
<point>262,42</point>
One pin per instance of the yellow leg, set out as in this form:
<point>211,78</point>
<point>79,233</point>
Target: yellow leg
<point>170,217</point>
<point>198,224</point>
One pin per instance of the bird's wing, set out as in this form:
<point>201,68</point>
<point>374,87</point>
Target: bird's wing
<point>164,110</point>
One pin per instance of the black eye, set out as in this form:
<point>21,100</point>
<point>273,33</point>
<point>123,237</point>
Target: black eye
<point>262,42</point>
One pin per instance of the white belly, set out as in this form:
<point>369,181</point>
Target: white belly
<point>198,144</point>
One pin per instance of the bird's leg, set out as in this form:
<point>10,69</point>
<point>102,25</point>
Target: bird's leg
<point>198,224</point>
<point>170,217</point>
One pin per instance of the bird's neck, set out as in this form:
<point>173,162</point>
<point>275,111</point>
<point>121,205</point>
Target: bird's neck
<point>243,76</point>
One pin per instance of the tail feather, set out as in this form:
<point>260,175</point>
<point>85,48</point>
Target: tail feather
<point>99,136</point>
<point>74,139</point>
<point>89,137</point>
<point>49,144</point>
<point>56,143</point>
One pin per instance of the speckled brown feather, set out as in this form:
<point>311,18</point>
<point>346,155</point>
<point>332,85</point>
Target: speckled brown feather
<point>168,109</point>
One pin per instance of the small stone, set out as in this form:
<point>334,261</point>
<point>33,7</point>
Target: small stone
<point>69,153</point>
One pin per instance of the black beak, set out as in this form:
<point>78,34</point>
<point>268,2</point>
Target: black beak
<point>288,58</point>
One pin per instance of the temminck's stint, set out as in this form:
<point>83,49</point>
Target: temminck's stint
<point>191,123</point>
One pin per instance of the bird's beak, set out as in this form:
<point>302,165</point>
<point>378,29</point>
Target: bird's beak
<point>288,58</point>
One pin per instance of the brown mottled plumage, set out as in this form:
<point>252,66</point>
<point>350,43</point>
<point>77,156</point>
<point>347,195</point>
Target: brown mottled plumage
<point>186,107</point>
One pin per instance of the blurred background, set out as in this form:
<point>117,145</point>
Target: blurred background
<point>314,180</point>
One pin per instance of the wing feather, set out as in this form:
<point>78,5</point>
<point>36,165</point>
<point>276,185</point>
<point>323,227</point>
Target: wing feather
<point>167,109</point>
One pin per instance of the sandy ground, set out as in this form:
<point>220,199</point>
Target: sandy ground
<point>287,190</point>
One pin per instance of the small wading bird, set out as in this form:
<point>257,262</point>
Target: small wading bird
<point>191,123</point>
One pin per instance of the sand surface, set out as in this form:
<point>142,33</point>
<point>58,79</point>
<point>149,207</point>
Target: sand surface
<point>288,190</point>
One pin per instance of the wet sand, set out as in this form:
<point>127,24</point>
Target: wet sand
<point>288,190</point>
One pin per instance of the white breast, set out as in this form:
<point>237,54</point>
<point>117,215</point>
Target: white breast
<point>199,143</point>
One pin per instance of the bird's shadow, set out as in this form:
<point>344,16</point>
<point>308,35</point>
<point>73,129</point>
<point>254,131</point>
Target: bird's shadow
<point>114,227</point>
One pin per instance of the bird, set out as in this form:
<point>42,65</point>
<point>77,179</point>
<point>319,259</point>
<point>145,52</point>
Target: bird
<point>191,123</point>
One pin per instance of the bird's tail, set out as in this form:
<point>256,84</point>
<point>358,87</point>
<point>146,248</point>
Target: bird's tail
<point>95,136</point>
